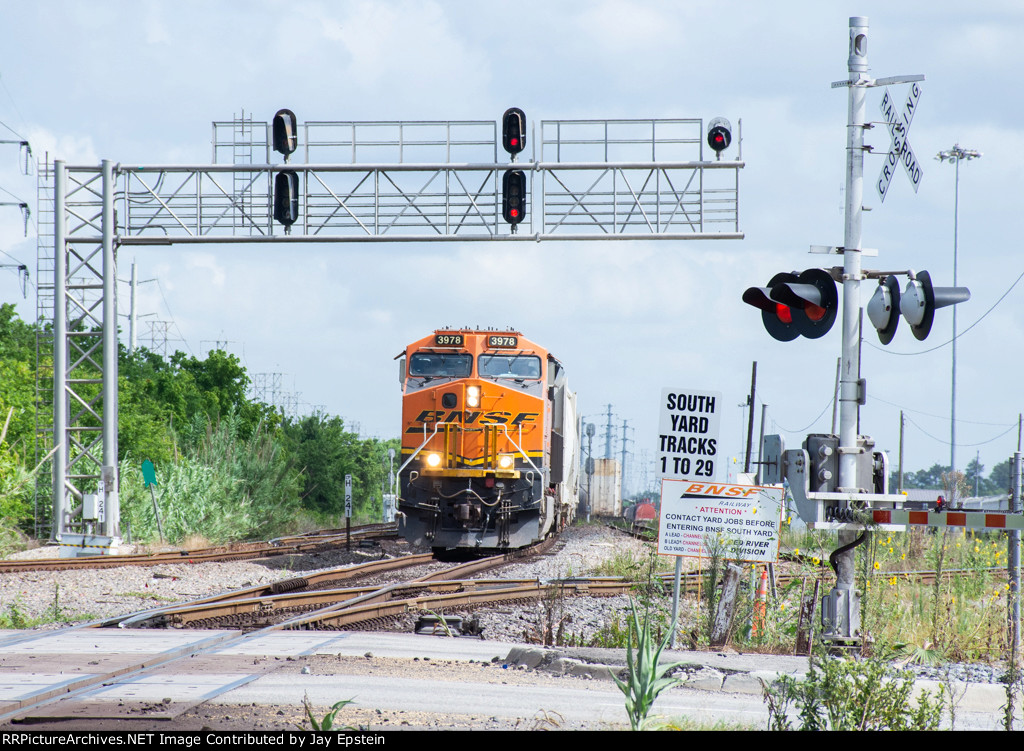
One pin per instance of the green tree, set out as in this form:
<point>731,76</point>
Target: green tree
<point>326,452</point>
<point>999,478</point>
<point>17,380</point>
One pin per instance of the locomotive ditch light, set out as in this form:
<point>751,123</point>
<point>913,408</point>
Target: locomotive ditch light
<point>719,135</point>
<point>884,308</point>
<point>473,396</point>
<point>506,461</point>
<point>921,299</point>
<point>433,460</point>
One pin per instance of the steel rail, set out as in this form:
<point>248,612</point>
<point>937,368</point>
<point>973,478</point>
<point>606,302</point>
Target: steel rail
<point>202,555</point>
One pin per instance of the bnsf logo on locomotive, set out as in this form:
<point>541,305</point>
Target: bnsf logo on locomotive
<point>469,417</point>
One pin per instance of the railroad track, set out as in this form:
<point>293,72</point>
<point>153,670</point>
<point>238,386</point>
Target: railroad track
<point>313,542</point>
<point>321,609</point>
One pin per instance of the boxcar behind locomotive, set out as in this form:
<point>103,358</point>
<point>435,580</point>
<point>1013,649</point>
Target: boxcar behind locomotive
<point>490,443</point>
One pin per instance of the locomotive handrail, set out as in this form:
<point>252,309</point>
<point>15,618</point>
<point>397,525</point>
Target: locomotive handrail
<point>417,451</point>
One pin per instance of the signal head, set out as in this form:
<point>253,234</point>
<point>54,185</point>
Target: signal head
<point>777,317</point>
<point>719,135</point>
<point>921,299</point>
<point>884,309</point>
<point>513,191</point>
<point>286,198</point>
<point>513,130</point>
<point>285,132</point>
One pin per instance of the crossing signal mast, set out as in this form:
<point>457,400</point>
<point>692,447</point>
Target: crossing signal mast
<point>839,481</point>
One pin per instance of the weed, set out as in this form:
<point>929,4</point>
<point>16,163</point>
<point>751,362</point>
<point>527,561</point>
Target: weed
<point>646,679</point>
<point>848,694</point>
<point>686,723</point>
<point>546,720</point>
<point>14,617</point>
<point>326,723</point>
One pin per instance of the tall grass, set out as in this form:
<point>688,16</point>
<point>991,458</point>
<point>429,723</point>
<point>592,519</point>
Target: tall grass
<point>220,486</point>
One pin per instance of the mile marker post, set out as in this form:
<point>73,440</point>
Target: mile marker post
<point>348,513</point>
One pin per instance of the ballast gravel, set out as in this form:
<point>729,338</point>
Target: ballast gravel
<point>72,596</point>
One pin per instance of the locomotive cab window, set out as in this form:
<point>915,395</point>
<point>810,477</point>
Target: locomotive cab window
<point>509,366</point>
<point>440,364</point>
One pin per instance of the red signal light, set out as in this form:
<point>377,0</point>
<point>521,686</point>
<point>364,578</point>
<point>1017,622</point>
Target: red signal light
<point>513,130</point>
<point>814,312</point>
<point>783,312</point>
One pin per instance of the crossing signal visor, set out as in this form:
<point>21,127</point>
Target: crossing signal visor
<point>796,304</point>
<point>513,130</point>
<point>513,196</point>
<point>917,304</point>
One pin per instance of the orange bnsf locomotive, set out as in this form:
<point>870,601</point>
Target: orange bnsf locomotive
<point>490,443</point>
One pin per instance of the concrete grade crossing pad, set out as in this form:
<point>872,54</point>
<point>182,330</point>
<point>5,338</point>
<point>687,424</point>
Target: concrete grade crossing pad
<point>389,672</point>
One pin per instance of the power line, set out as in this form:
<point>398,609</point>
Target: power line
<point>946,443</point>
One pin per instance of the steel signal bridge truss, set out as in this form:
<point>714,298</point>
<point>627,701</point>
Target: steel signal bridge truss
<point>357,182</point>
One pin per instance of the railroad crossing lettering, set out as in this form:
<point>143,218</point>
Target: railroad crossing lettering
<point>688,434</point>
<point>900,151</point>
<point>742,520</point>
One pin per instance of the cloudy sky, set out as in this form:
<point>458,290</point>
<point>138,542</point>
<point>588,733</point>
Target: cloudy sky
<point>140,82</point>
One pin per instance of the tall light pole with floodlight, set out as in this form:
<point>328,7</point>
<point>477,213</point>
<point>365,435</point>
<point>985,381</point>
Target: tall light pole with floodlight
<point>955,155</point>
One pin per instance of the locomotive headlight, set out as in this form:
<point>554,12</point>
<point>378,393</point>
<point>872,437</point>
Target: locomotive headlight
<point>433,460</point>
<point>473,396</point>
<point>506,461</point>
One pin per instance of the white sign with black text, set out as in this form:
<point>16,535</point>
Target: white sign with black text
<point>741,522</point>
<point>688,434</point>
<point>899,130</point>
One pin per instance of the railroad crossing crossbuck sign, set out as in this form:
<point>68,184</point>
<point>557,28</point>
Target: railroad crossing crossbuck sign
<point>900,151</point>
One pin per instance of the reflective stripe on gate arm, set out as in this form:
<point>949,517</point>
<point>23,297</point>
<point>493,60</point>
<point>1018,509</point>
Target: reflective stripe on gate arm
<point>966,519</point>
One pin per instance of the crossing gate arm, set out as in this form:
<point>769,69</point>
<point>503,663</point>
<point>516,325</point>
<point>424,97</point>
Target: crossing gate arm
<point>900,520</point>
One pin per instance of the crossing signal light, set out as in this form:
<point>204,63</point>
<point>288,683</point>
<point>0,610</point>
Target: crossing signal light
<point>796,304</point>
<point>719,135</point>
<point>884,309</point>
<point>286,198</point>
<point>285,132</point>
<point>918,303</point>
<point>777,317</point>
<point>513,130</point>
<point>513,192</point>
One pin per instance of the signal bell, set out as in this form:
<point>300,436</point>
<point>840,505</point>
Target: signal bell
<point>513,130</point>
<point>796,304</point>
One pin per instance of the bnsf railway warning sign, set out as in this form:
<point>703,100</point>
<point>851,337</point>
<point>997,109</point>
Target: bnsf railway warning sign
<point>741,521</point>
<point>688,434</point>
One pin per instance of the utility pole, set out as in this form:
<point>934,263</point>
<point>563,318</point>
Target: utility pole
<point>750,415</point>
<point>624,440</point>
<point>608,435</point>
